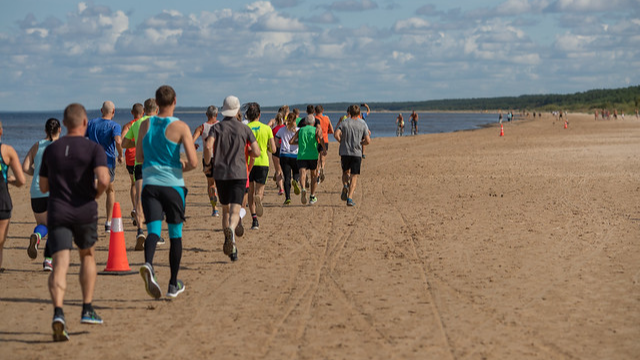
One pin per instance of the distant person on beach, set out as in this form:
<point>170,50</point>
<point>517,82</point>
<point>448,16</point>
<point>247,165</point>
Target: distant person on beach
<point>39,200</point>
<point>327,128</point>
<point>500,117</point>
<point>400,125</point>
<point>137,111</point>
<point>308,138</point>
<point>288,157</point>
<point>75,173</point>
<point>275,157</point>
<point>8,159</point>
<point>351,134</point>
<point>363,116</point>
<point>260,170</point>
<point>414,123</point>
<point>163,188</point>
<point>130,141</point>
<point>225,152</point>
<point>203,130</point>
<point>107,133</point>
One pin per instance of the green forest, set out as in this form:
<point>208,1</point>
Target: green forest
<point>625,100</point>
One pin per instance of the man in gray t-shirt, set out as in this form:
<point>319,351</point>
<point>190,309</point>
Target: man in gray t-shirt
<point>352,133</point>
<point>225,151</point>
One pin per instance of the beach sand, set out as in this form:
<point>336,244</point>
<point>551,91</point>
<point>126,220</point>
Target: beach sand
<point>464,245</point>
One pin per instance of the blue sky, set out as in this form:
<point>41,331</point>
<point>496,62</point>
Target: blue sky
<point>54,52</point>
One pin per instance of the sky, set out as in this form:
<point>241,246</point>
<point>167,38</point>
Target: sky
<point>55,52</point>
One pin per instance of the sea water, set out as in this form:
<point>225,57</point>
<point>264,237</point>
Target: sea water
<point>23,129</point>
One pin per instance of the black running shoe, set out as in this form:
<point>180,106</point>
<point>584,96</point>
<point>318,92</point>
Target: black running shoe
<point>150,281</point>
<point>234,255</point>
<point>175,290</point>
<point>255,225</point>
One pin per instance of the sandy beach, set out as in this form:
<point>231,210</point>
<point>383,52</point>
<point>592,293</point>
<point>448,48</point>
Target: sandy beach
<point>462,245</point>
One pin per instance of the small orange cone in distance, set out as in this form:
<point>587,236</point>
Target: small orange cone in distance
<point>117,260</point>
<point>565,124</point>
<point>501,130</point>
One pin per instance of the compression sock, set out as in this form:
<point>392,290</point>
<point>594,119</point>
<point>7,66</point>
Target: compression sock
<point>175,255</point>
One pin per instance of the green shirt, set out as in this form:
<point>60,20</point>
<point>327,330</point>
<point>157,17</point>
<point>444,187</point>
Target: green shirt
<point>132,134</point>
<point>307,143</point>
<point>262,133</point>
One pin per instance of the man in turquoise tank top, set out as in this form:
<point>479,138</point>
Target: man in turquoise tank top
<point>163,188</point>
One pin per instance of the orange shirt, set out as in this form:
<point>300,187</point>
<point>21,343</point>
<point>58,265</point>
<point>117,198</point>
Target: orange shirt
<point>130,154</point>
<point>325,126</point>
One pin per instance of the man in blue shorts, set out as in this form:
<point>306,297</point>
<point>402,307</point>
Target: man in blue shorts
<point>163,189</point>
<point>107,133</point>
<point>225,151</point>
<point>352,134</point>
<point>69,168</point>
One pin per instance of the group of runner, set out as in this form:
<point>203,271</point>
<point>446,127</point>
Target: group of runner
<point>71,172</point>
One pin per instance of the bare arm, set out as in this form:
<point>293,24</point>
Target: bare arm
<point>294,139</point>
<point>207,153</point>
<point>44,184</point>
<point>18,178</point>
<point>144,127</point>
<point>366,140</point>
<point>254,149</point>
<point>128,143</point>
<point>338,135</point>
<point>272,145</point>
<point>118,140</point>
<point>196,134</point>
<point>27,163</point>
<point>190,150</point>
<point>103,178</point>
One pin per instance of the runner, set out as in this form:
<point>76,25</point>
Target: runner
<point>351,134</point>
<point>308,138</point>
<point>74,171</point>
<point>130,141</point>
<point>107,133</point>
<point>275,157</point>
<point>225,152</point>
<point>399,125</point>
<point>137,111</point>
<point>8,159</point>
<point>163,188</point>
<point>327,128</point>
<point>31,165</point>
<point>260,170</point>
<point>288,157</point>
<point>212,119</point>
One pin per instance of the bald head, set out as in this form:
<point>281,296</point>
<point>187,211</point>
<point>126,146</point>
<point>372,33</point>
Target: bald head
<point>108,109</point>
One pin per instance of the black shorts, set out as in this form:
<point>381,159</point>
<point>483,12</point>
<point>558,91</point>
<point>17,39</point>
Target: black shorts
<point>259,174</point>
<point>39,205</point>
<point>308,164</point>
<point>137,172</point>
<point>62,237</point>
<point>163,200</point>
<point>321,148</point>
<point>351,163</point>
<point>209,173</point>
<point>5,214</point>
<point>231,191</point>
<point>277,153</point>
<point>130,169</point>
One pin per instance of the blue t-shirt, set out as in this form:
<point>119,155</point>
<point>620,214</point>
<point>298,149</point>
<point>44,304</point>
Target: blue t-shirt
<point>104,132</point>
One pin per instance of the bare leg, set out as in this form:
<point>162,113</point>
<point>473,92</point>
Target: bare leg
<point>58,277</point>
<point>4,228</point>
<point>132,191</point>
<point>139,211</point>
<point>111,199</point>
<point>352,187</point>
<point>252,195</point>
<point>88,273</point>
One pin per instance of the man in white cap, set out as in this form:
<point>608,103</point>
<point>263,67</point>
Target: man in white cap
<point>224,150</point>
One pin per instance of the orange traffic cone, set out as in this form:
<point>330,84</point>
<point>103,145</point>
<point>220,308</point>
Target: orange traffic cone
<point>565,124</point>
<point>117,261</point>
<point>501,130</point>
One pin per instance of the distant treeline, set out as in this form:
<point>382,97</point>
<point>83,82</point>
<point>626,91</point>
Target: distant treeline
<point>623,99</point>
